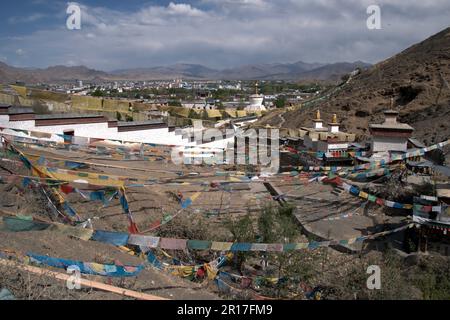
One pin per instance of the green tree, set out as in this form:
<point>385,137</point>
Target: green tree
<point>280,102</point>
<point>277,225</point>
<point>204,115</point>
<point>242,231</point>
<point>97,93</point>
<point>174,103</point>
<point>129,118</point>
<point>193,114</point>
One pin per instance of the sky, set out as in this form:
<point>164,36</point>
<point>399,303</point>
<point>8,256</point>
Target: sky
<point>219,34</point>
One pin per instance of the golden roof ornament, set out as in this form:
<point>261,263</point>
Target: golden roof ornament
<point>318,115</point>
<point>334,121</point>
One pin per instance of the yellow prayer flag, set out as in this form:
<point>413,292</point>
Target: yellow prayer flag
<point>221,246</point>
<point>363,195</point>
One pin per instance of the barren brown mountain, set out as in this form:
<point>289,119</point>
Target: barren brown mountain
<point>415,81</point>
<point>9,74</point>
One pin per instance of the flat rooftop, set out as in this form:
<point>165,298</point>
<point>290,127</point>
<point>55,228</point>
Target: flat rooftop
<point>139,123</point>
<point>323,129</point>
<point>20,110</point>
<point>66,116</point>
<point>394,126</point>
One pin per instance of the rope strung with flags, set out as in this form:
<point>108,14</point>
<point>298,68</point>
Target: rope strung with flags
<point>92,268</point>
<point>371,165</point>
<point>122,239</point>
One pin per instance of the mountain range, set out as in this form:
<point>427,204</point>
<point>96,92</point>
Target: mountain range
<point>275,71</point>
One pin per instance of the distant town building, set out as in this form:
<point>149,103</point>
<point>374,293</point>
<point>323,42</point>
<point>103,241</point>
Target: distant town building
<point>200,105</point>
<point>256,102</point>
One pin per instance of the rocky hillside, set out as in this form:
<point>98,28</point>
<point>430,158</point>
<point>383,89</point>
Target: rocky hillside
<point>415,81</point>
<point>9,74</point>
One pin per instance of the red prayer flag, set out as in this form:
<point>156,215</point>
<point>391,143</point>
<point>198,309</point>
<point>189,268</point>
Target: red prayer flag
<point>67,189</point>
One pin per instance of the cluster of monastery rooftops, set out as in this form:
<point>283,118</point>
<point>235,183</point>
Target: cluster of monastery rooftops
<point>328,134</point>
<point>332,133</point>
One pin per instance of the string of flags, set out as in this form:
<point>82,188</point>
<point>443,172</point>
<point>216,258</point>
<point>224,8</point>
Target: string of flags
<point>91,268</point>
<point>98,179</point>
<point>211,270</point>
<point>378,163</point>
<point>71,215</point>
<point>105,198</point>
<point>94,179</point>
<point>187,202</point>
<point>371,165</point>
<point>66,189</point>
<point>99,195</point>
<point>355,191</point>
<point>70,175</point>
<point>122,239</point>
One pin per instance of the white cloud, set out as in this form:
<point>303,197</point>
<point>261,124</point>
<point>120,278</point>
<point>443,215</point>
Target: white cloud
<point>184,9</point>
<point>232,32</point>
<point>26,19</point>
<point>238,3</point>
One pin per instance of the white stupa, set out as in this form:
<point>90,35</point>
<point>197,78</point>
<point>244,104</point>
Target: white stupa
<point>256,102</point>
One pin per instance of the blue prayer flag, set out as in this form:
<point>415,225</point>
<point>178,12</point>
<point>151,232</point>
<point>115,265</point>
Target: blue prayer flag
<point>115,238</point>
